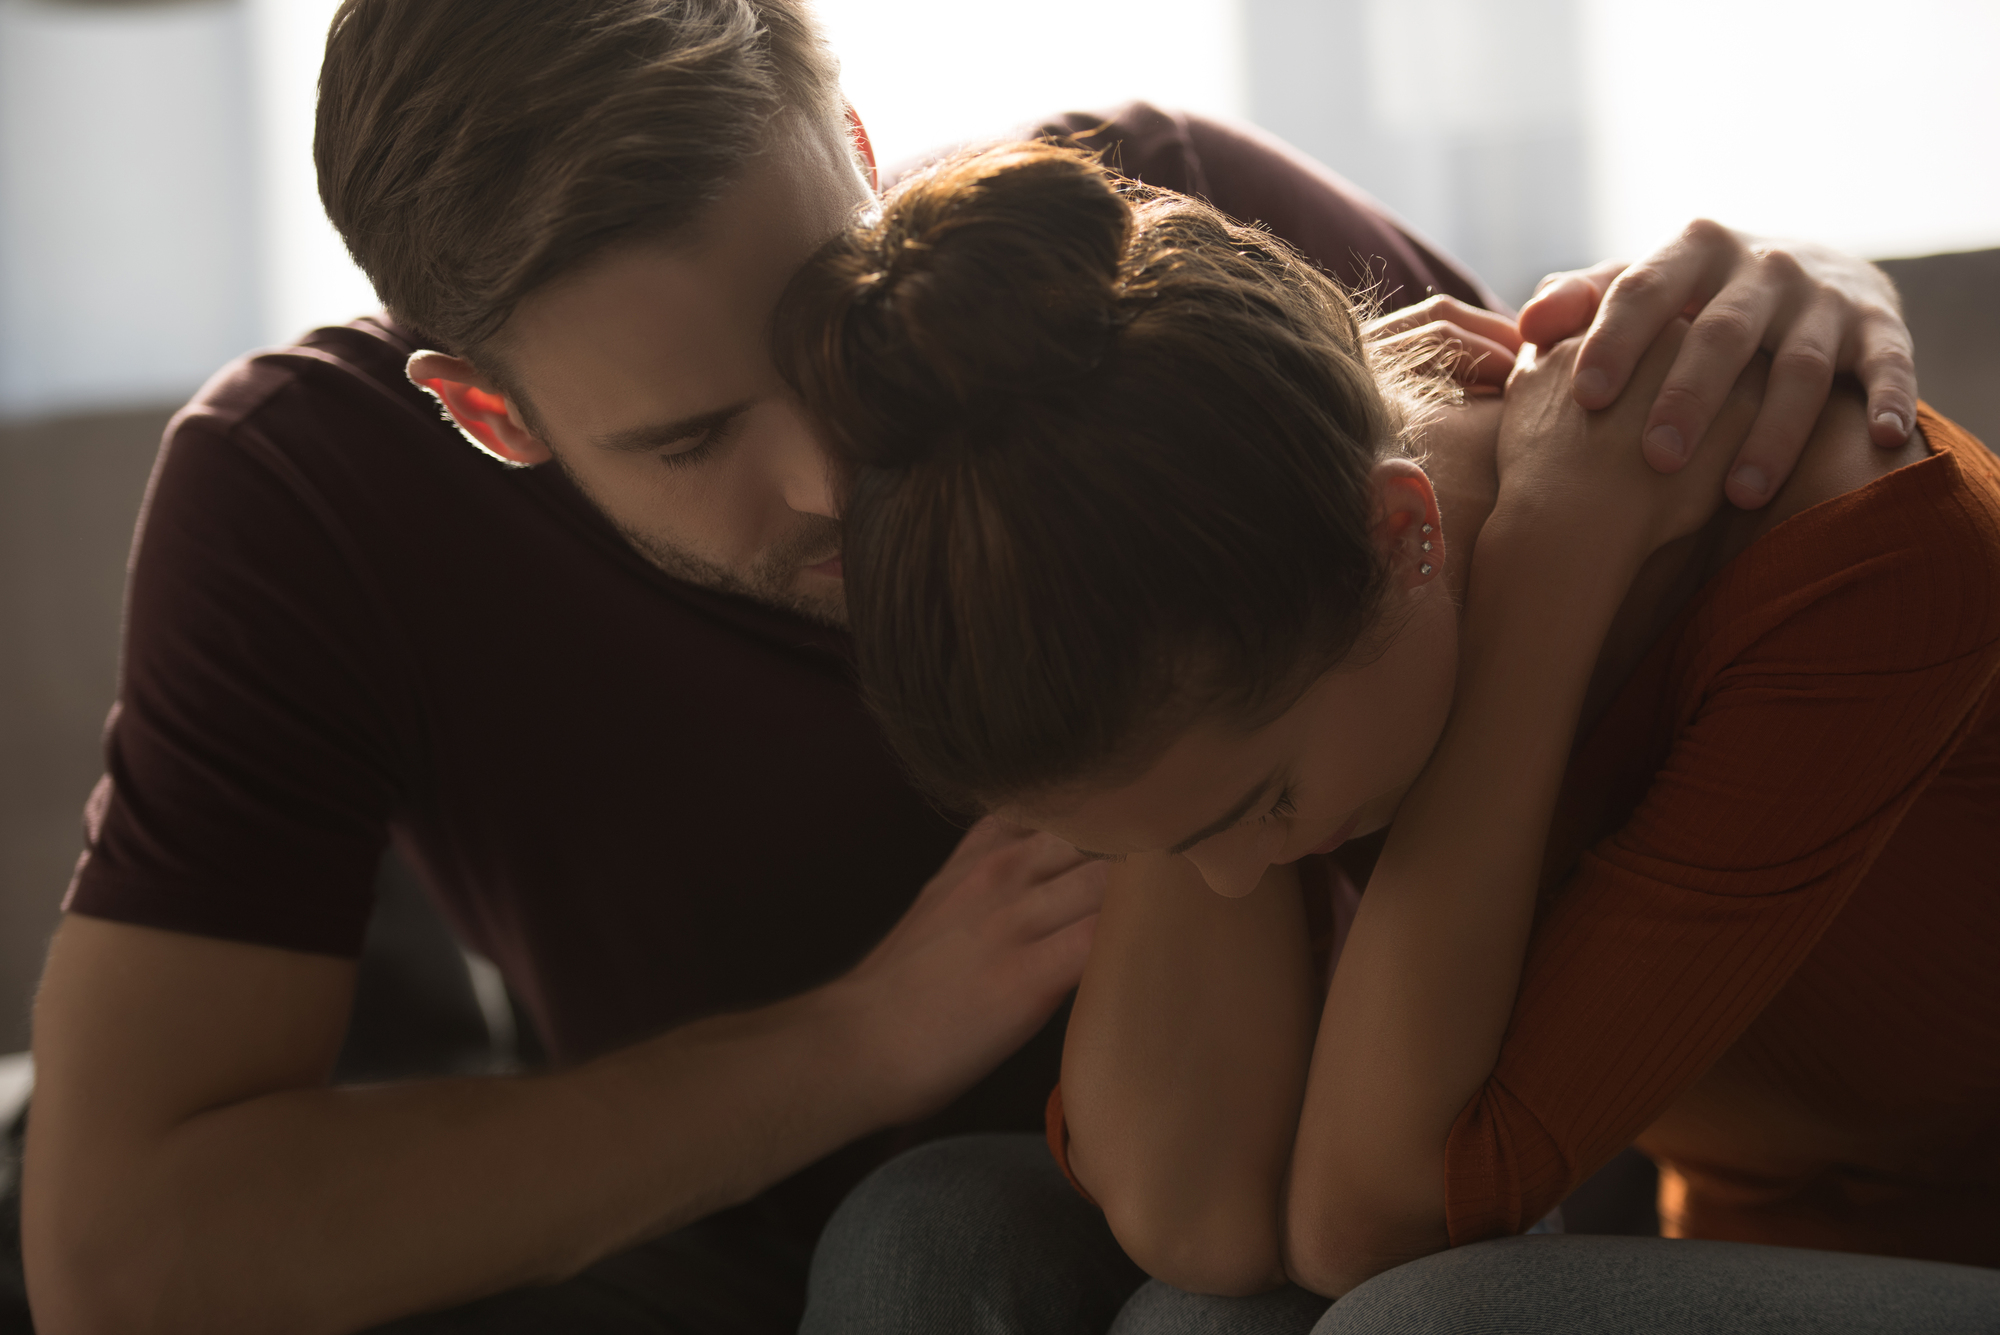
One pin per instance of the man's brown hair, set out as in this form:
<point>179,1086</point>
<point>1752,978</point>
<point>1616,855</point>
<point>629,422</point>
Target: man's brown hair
<point>471,150</point>
<point>1110,466</point>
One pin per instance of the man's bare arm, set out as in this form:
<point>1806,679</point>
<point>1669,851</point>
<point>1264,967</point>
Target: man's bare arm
<point>189,1169</point>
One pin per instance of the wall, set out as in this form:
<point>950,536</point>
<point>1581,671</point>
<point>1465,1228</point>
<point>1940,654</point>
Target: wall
<point>926,75</point>
<point>306,276</point>
<point>1465,118</point>
<point>128,253</point>
<point>1864,125</point>
<point>68,491</point>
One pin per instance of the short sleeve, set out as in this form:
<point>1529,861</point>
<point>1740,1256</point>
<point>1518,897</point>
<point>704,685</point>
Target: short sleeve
<point>248,763</point>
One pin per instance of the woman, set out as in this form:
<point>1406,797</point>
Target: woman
<point>1687,815</point>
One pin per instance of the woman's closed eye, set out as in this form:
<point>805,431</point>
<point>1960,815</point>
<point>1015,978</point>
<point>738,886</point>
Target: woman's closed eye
<point>1281,808</point>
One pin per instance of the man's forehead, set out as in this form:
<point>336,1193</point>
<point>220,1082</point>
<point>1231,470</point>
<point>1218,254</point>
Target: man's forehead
<point>661,329</point>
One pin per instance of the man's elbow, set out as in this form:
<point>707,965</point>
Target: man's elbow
<point>82,1282</point>
<point>71,1296</point>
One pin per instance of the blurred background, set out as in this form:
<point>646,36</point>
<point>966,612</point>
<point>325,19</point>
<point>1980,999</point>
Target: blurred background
<point>158,217</point>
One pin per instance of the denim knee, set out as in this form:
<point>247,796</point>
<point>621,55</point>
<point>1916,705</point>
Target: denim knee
<point>1161,1309</point>
<point>979,1234</point>
<point>1655,1286</point>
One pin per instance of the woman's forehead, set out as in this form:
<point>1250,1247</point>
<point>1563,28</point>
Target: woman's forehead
<point>1199,779</point>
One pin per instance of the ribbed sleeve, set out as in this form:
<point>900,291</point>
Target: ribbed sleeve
<point>1812,695</point>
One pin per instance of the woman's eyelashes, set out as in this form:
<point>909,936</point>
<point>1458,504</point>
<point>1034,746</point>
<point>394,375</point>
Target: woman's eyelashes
<point>1281,808</point>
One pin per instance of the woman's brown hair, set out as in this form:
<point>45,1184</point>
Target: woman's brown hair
<point>1109,466</point>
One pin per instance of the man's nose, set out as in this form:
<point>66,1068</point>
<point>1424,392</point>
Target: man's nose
<point>804,468</point>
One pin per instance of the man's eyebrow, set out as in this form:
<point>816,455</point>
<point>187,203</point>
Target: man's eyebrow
<point>1234,814</point>
<point>637,439</point>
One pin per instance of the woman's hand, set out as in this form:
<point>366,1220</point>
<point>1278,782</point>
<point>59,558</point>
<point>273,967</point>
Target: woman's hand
<point>1574,468</point>
<point>1472,346</point>
<point>1817,311</point>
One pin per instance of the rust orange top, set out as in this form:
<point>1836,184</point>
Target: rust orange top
<point>1780,969</point>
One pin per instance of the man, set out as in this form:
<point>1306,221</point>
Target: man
<point>595,691</point>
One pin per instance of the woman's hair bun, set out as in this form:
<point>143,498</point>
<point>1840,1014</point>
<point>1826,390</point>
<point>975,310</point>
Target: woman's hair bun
<point>992,278</point>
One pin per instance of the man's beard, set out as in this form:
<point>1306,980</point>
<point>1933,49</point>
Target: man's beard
<point>772,579</point>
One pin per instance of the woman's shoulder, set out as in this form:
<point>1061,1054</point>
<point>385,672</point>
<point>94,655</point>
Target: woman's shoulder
<point>1886,560</point>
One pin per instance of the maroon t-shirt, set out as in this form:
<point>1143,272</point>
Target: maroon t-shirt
<point>645,801</point>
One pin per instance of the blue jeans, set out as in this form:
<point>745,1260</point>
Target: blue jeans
<point>981,1236</point>
<point>978,1235</point>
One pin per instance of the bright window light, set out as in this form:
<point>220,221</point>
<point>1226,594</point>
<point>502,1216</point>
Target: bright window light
<point>1866,125</point>
<point>926,74</point>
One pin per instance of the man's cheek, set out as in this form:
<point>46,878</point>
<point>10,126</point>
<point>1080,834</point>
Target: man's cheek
<point>740,513</point>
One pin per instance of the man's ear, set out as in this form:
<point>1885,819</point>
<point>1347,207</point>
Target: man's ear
<point>476,404</point>
<point>863,147</point>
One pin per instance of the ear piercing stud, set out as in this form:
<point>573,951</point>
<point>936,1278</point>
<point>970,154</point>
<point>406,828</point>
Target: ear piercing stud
<point>1425,568</point>
<point>1428,529</point>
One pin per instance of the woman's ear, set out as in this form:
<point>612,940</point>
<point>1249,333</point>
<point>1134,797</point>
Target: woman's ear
<point>1408,531</point>
<point>482,412</point>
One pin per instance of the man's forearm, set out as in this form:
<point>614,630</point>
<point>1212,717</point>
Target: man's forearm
<point>188,1169</point>
<point>1184,1068</point>
<point>332,1209</point>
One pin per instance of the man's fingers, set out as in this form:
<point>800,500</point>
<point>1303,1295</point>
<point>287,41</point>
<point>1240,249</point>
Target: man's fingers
<point>1641,301</point>
<point>1723,339</point>
<point>1058,959</point>
<point>1564,304</point>
<point>1487,326</point>
<point>1448,310</point>
<point>1444,335</point>
<point>1061,900</point>
<point>1801,374</point>
<point>1452,351</point>
<point>1887,369</point>
<point>984,838</point>
<point>1050,857</point>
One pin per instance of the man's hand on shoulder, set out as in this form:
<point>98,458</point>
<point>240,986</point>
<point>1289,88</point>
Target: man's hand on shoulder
<point>1447,337</point>
<point>990,948</point>
<point>1817,311</point>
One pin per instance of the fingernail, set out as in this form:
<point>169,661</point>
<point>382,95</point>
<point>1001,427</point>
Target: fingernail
<point>1667,440</point>
<point>1593,384</point>
<point>1894,420</point>
<point>1751,478</point>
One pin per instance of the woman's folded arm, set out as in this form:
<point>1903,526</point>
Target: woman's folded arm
<point>1184,1067</point>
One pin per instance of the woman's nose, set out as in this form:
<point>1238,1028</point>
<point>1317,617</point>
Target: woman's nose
<point>1233,863</point>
